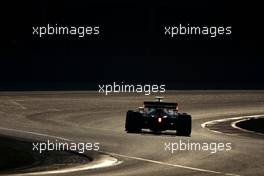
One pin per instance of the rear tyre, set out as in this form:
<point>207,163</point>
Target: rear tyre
<point>184,125</point>
<point>133,122</point>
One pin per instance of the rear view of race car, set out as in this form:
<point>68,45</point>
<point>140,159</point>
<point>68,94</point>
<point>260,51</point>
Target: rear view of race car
<point>159,116</point>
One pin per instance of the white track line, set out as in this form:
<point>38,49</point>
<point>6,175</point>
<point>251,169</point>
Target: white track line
<point>173,165</point>
<point>112,163</point>
<point>233,124</point>
<point>35,133</point>
<point>104,162</point>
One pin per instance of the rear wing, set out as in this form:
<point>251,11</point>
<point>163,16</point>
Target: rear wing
<point>153,104</point>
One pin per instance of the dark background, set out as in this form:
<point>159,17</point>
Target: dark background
<point>131,47</point>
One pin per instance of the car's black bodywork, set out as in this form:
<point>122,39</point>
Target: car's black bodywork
<point>159,116</point>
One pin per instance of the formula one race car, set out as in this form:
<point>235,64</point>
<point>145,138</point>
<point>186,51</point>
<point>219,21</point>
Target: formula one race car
<point>159,116</point>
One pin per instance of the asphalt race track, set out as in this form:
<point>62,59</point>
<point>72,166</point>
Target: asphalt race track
<point>92,117</point>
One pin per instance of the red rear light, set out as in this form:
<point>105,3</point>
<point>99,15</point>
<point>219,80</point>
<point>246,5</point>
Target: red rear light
<point>159,119</point>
